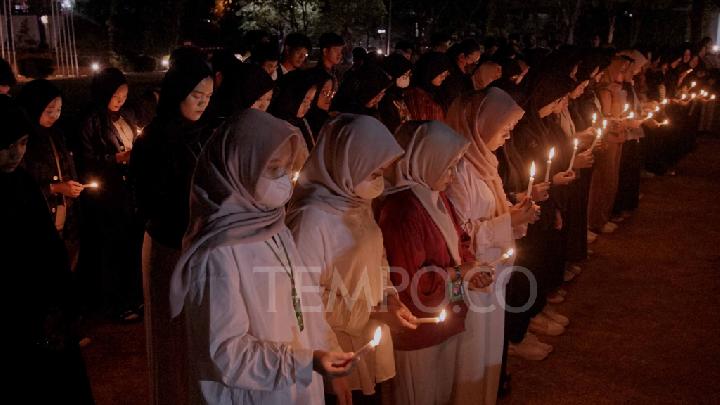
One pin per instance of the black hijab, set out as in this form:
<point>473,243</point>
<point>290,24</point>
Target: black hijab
<point>430,66</point>
<point>354,94</point>
<point>247,84</point>
<point>396,65</point>
<point>178,83</point>
<point>289,95</point>
<point>35,96</point>
<point>103,87</point>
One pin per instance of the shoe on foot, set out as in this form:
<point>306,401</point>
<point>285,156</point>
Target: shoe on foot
<point>555,298</point>
<point>556,317</point>
<point>561,292</point>
<point>534,339</point>
<point>617,219</point>
<point>575,269</point>
<point>543,325</point>
<point>569,276</point>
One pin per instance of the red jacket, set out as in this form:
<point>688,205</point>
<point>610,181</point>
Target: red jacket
<point>412,241</point>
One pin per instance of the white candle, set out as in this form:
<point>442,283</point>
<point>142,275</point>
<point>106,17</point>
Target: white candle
<point>604,124</point>
<point>594,118</point>
<point>370,345</point>
<point>649,116</point>
<point>551,155</point>
<point>693,84</point>
<point>693,96</point>
<point>437,319</point>
<point>532,178</point>
<point>295,177</point>
<point>683,96</point>
<point>665,101</point>
<point>665,122</point>
<point>712,97</point>
<point>626,107</point>
<point>657,108</point>
<point>572,158</point>
<point>631,115</point>
<point>94,184</point>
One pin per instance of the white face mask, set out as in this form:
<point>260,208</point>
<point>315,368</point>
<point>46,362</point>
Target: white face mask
<point>402,82</point>
<point>274,193</point>
<point>369,189</point>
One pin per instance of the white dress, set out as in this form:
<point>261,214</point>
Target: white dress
<point>481,346</point>
<point>347,247</point>
<point>245,346</point>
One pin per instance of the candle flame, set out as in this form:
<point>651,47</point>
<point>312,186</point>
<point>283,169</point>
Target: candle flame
<point>650,115</point>
<point>575,143</point>
<point>631,115</point>
<point>510,252</point>
<point>626,107</point>
<point>712,97</point>
<point>665,101</point>
<point>599,133</point>
<point>693,84</point>
<point>551,155</point>
<point>532,169</point>
<point>594,118</point>
<point>657,108</point>
<point>683,96</point>
<point>443,316</point>
<point>93,184</point>
<point>693,95</point>
<point>376,337</point>
<point>666,122</point>
<point>604,124</point>
<point>295,177</point>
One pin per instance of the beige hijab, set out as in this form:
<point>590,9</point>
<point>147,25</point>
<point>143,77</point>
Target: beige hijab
<point>349,149</point>
<point>223,207</point>
<point>430,148</point>
<point>479,117</point>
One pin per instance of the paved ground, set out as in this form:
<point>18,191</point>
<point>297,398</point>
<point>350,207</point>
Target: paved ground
<point>645,313</point>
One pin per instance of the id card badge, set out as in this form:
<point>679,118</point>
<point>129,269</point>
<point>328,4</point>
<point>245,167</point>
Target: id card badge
<point>455,291</point>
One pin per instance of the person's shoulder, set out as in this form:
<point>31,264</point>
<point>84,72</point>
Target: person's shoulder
<point>401,206</point>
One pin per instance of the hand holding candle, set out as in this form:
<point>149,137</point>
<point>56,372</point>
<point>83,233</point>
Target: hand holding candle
<point>93,185</point>
<point>597,138</point>
<point>505,256</point>
<point>370,345</point>
<point>437,319</point>
<point>572,158</point>
<point>594,118</point>
<point>551,155</point>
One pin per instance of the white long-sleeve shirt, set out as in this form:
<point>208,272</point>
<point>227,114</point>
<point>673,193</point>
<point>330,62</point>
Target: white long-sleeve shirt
<point>245,343</point>
<point>354,276</point>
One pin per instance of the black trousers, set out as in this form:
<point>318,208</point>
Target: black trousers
<point>628,195</point>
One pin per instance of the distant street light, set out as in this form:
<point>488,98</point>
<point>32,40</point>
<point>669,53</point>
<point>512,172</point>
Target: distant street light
<point>165,63</point>
<point>95,67</point>
<point>382,31</point>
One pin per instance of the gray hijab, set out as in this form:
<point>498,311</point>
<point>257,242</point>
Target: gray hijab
<point>223,207</point>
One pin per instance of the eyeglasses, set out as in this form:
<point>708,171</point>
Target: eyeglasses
<point>328,94</point>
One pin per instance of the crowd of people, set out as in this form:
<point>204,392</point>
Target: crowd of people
<point>268,220</point>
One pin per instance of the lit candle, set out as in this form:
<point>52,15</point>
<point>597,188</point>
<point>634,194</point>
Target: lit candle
<point>437,319</point>
<point>693,96</point>
<point>631,115</point>
<point>683,96</point>
<point>532,178</point>
<point>650,115</point>
<point>594,118</point>
<point>657,108</point>
<point>712,97</point>
<point>693,84</point>
<point>551,155</point>
<point>94,184</point>
<point>508,254</point>
<point>139,130</point>
<point>626,107</point>
<point>572,158</point>
<point>604,124</point>
<point>665,122</point>
<point>295,177</point>
<point>370,345</point>
<point>665,101</point>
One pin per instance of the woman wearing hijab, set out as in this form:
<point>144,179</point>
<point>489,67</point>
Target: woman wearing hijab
<point>49,161</point>
<point>541,250</point>
<point>433,265</point>
<point>113,232</point>
<point>250,86</point>
<point>319,112</point>
<point>255,332</point>
<point>392,110</point>
<point>292,100</point>
<point>485,119</point>
<point>36,271</point>
<point>604,185</point>
<point>485,74</point>
<point>162,164</point>
<point>332,221</point>
<point>423,96</point>
<point>362,93</point>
